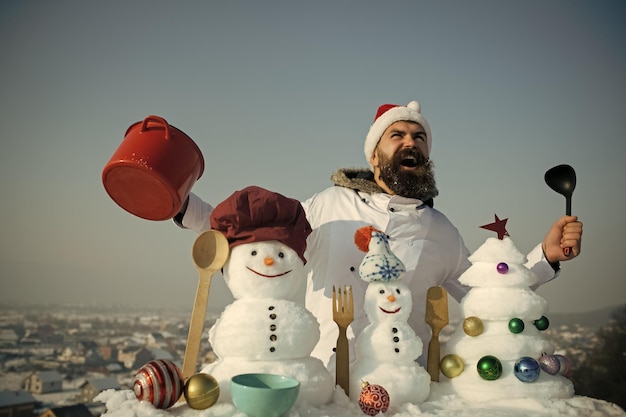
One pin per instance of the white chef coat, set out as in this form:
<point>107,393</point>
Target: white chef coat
<point>428,244</point>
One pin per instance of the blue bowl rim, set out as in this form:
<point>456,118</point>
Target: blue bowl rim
<point>294,383</point>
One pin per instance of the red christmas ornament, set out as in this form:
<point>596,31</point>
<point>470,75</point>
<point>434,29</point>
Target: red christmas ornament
<point>373,399</point>
<point>159,382</point>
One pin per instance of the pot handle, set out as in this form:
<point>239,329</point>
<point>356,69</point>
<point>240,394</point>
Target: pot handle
<point>157,119</point>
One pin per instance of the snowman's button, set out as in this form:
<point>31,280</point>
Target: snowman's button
<point>397,350</point>
<point>271,308</point>
<point>396,339</point>
<point>394,330</point>
<point>273,337</point>
<point>272,327</point>
<point>273,316</point>
<point>352,269</point>
<point>272,349</point>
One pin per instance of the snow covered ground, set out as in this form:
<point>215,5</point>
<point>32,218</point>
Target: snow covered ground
<point>124,404</point>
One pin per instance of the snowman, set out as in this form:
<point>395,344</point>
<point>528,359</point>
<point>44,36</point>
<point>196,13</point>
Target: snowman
<point>264,330</point>
<point>387,349</point>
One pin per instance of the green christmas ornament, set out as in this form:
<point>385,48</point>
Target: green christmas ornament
<point>489,368</point>
<point>542,324</point>
<point>516,325</point>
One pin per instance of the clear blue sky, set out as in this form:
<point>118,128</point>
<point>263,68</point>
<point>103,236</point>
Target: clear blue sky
<point>280,94</point>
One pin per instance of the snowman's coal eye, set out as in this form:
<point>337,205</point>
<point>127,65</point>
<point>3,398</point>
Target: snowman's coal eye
<point>253,253</point>
<point>281,255</point>
<point>381,291</point>
<point>398,290</point>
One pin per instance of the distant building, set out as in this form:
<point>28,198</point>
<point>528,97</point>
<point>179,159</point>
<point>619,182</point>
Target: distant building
<point>114,368</point>
<point>17,403</point>
<point>107,353</point>
<point>86,347</point>
<point>135,358</point>
<point>78,410</point>
<point>84,352</point>
<point>66,354</point>
<point>8,337</point>
<point>155,339</point>
<point>44,382</point>
<point>132,356</point>
<point>92,387</point>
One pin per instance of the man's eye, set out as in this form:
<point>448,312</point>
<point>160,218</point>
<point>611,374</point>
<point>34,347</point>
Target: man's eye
<point>381,291</point>
<point>253,253</point>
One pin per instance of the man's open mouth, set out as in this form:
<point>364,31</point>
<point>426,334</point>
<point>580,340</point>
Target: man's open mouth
<point>409,161</point>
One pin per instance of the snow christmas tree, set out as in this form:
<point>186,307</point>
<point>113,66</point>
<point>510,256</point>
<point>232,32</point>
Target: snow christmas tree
<point>500,352</point>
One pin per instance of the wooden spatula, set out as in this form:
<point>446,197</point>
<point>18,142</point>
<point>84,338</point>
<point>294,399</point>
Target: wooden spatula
<point>437,319</point>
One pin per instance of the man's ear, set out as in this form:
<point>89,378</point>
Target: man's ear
<point>374,158</point>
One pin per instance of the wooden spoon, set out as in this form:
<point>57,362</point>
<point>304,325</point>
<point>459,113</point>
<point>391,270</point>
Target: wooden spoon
<point>210,252</point>
<point>437,319</point>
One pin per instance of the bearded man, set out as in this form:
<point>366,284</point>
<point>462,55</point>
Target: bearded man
<point>395,195</point>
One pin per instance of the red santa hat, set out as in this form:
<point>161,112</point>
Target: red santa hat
<point>388,114</point>
<point>255,214</point>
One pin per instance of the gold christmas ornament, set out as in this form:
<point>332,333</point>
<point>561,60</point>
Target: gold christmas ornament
<point>201,391</point>
<point>473,326</point>
<point>452,365</point>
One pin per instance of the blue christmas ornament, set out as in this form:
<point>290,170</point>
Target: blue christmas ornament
<point>526,369</point>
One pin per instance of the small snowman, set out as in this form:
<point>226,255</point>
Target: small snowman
<point>387,349</point>
<point>264,330</point>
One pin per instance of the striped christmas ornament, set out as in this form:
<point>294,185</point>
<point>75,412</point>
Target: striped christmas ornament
<point>159,382</point>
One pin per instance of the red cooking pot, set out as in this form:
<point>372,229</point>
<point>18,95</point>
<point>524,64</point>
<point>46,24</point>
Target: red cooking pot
<point>152,171</point>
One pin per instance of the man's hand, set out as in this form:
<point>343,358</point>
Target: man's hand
<point>565,233</point>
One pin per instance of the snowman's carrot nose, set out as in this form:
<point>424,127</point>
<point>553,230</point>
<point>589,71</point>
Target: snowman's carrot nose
<point>269,261</point>
<point>391,298</point>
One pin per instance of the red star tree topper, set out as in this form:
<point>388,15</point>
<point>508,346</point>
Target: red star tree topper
<point>498,226</point>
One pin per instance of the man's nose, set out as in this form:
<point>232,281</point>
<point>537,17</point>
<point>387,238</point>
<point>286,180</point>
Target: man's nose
<point>409,141</point>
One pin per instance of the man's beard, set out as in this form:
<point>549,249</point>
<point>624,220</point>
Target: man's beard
<point>418,183</point>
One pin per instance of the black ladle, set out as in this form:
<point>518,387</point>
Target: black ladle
<point>562,179</point>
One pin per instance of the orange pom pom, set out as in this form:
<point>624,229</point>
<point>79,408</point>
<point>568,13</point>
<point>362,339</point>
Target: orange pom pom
<point>362,237</point>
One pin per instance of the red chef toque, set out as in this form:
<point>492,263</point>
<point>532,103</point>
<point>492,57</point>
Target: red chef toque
<point>255,214</point>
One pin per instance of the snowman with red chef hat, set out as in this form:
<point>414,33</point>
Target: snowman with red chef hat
<point>264,329</point>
